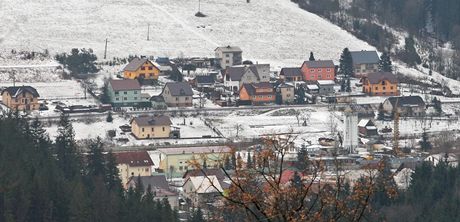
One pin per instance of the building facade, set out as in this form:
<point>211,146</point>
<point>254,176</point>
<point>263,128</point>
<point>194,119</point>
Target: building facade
<point>287,93</point>
<point>257,93</point>
<point>133,164</point>
<point>141,69</point>
<point>406,106</point>
<point>365,62</point>
<point>380,84</point>
<point>177,94</point>
<point>151,127</point>
<point>21,98</point>
<point>228,56</point>
<point>318,70</point>
<point>127,92</point>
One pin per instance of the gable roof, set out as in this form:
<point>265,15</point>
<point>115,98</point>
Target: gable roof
<point>155,181</point>
<point>325,82</point>
<point>124,84</point>
<point>406,101</point>
<point>205,79</point>
<point>237,72</point>
<point>251,88</point>
<point>179,88</point>
<point>14,91</point>
<point>195,150</point>
<point>319,64</point>
<point>203,172</point>
<point>365,57</point>
<point>139,158</point>
<point>365,122</point>
<point>376,77</point>
<point>229,49</point>
<point>135,64</point>
<point>291,72</point>
<point>152,121</point>
<point>203,184</point>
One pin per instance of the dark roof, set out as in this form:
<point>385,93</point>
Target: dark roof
<point>204,79</point>
<point>406,101</point>
<point>14,91</point>
<point>140,158</point>
<point>229,49</point>
<point>291,72</point>
<point>236,72</point>
<point>179,88</point>
<point>365,57</point>
<point>157,99</point>
<point>319,64</point>
<point>155,181</point>
<point>125,84</point>
<point>251,88</point>
<point>152,121</point>
<point>135,64</point>
<point>376,77</point>
<point>204,172</point>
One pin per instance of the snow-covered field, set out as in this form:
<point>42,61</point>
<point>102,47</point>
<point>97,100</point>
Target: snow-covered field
<point>54,90</point>
<point>274,31</point>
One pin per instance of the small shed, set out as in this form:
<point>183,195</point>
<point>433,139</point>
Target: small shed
<point>367,128</point>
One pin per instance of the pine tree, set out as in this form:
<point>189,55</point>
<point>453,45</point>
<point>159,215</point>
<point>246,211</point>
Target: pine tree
<point>80,205</point>
<point>296,180</point>
<point>112,177</point>
<point>196,216</point>
<point>96,160</point>
<point>348,85</point>
<point>227,164</point>
<point>425,144</point>
<point>66,148</point>
<point>233,161</point>
<point>300,95</point>
<point>346,64</point>
<point>312,57</point>
<point>385,64</point>
<point>248,161</point>
<point>302,159</point>
<point>109,118</point>
<point>437,105</point>
<point>278,98</point>
<point>381,112</point>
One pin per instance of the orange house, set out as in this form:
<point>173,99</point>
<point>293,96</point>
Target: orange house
<point>21,98</point>
<point>380,84</point>
<point>141,69</point>
<point>257,93</point>
<point>318,70</point>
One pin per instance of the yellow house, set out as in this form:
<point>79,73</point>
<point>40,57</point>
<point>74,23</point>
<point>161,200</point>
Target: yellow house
<point>150,127</point>
<point>176,161</point>
<point>21,98</point>
<point>131,164</point>
<point>141,69</point>
<point>380,84</point>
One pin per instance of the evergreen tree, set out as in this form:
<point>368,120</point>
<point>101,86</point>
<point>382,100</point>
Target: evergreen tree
<point>302,159</point>
<point>296,180</point>
<point>410,55</point>
<point>112,177</point>
<point>385,64</point>
<point>95,159</point>
<point>437,105</point>
<point>348,85</point>
<point>278,98</point>
<point>66,148</point>
<point>109,118</point>
<point>80,205</point>
<point>248,161</point>
<point>79,61</point>
<point>105,98</point>
<point>196,216</point>
<point>425,144</point>
<point>205,165</point>
<point>300,95</point>
<point>346,64</point>
<point>381,112</point>
<point>233,161</point>
<point>312,57</point>
<point>227,164</point>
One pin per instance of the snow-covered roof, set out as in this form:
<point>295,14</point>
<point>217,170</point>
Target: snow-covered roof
<point>326,82</point>
<point>311,87</point>
<point>363,122</point>
<point>206,184</point>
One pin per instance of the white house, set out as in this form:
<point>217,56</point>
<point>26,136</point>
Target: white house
<point>236,76</point>
<point>228,56</point>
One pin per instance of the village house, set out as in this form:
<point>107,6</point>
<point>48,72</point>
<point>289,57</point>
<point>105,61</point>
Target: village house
<point>236,76</point>
<point>291,74</point>
<point>367,128</point>
<point>406,106</point>
<point>257,93</point>
<point>21,98</point>
<point>318,70</point>
<point>380,84</point>
<point>287,93</point>
<point>326,87</point>
<point>177,94</point>
<point>204,83</point>
<point>159,186</point>
<point>141,68</point>
<point>126,92</point>
<point>135,164</point>
<point>158,102</point>
<point>151,127</point>
<point>174,161</point>
<point>365,62</point>
<point>201,190</point>
<point>228,56</point>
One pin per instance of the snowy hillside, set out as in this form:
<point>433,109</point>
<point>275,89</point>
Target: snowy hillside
<point>274,31</point>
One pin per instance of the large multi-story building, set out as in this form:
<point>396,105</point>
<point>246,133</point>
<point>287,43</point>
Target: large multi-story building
<point>21,98</point>
<point>365,62</point>
<point>177,94</point>
<point>125,93</point>
<point>318,70</point>
<point>151,127</point>
<point>380,84</point>
<point>131,164</point>
<point>141,69</point>
<point>228,56</point>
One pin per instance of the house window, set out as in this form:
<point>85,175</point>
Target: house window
<point>126,93</point>
<point>142,129</point>
<point>319,76</point>
<point>269,96</point>
<point>312,77</point>
<point>180,168</point>
<point>163,128</point>
<point>391,87</point>
<point>146,169</point>
<point>135,98</point>
<point>186,98</point>
<point>376,87</point>
<point>177,98</point>
<point>227,61</point>
<point>288,95</point>
<point>116,93</point>
<point>117,99</point>
<point>319,70</point>
<point>328,76</point>
<point>142,68</point>
<point>151,74</point>
<point>328,70</point>
<point>125,98</point>
<point>152,129</point>
<point>312,70</point>
<point>150,67</point>
<point>227,55</point>
<point>383,88</point>
<point>135,92</point>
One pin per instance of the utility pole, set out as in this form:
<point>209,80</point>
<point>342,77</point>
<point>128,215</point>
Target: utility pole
<point>148,32</point>
<point>199,5</point>
<point>105,50</point>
